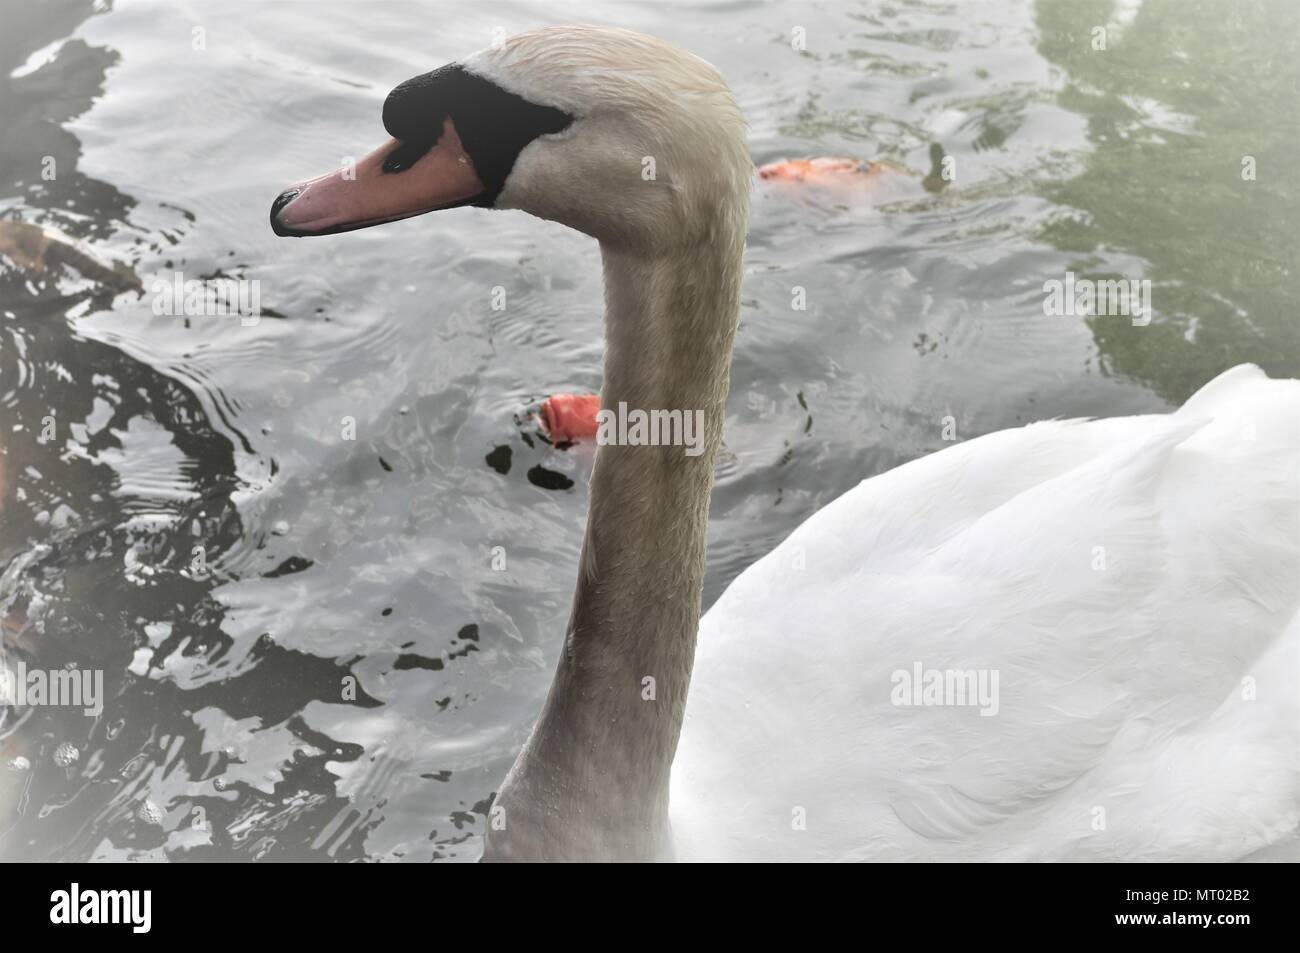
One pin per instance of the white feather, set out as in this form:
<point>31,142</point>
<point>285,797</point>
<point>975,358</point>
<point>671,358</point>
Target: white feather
<point>1133,582</point>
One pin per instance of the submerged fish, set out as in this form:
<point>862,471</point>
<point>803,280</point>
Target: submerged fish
<point>568,417</point>
<point>821,170</point>
<point>842,175</point>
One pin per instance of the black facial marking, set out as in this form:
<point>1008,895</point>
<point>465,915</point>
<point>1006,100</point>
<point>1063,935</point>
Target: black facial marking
<point>493,125</point>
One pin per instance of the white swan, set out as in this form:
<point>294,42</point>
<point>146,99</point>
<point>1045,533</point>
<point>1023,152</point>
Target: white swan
<point>1131,584</point>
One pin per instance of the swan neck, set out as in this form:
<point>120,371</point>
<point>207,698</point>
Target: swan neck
<point>600,755</point>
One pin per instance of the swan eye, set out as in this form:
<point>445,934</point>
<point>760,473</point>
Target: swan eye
<point>406,155</point>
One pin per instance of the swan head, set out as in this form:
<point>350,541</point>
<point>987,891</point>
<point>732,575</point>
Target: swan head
<point>619,135</point>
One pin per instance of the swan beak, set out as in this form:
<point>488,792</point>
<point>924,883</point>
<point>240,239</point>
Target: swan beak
<point>396,181</point>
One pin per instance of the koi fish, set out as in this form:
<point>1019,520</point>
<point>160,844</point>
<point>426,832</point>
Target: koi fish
<point>569,417</point>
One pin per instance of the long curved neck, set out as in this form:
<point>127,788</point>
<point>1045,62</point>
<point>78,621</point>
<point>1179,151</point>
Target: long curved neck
<point>592,780</point>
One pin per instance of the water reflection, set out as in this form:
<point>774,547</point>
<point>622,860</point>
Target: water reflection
<point>119,521</point>
<point>1194,126</point>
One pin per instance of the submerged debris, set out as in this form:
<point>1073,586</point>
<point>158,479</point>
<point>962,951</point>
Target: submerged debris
<point>39,252</point>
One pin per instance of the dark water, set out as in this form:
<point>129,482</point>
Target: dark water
<point>230,730</point>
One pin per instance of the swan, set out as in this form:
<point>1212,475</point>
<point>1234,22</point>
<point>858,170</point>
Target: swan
<point>1072,640</point>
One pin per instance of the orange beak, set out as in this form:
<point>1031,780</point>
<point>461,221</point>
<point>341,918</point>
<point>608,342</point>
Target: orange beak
<point>396,181</point>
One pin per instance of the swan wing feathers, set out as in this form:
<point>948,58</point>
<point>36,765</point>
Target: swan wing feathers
<point>1075,639</point>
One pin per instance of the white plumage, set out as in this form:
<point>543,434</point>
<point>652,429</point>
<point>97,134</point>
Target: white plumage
<point>1132,581</point>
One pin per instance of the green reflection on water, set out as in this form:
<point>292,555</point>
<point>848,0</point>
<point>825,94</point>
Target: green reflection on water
<point>1179,97</point>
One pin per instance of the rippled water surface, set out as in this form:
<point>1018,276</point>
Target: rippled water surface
<point>342,673</point>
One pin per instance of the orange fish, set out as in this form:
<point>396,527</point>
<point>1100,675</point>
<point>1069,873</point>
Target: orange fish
<point>568,417</point>
<point>823,169</point>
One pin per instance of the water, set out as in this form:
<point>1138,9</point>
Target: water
<point>345,675</point>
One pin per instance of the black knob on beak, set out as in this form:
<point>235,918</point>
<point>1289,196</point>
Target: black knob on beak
<point>281,200</point>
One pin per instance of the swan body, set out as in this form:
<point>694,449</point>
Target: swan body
<point>1121,593</point>
<point>1134,583</point>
